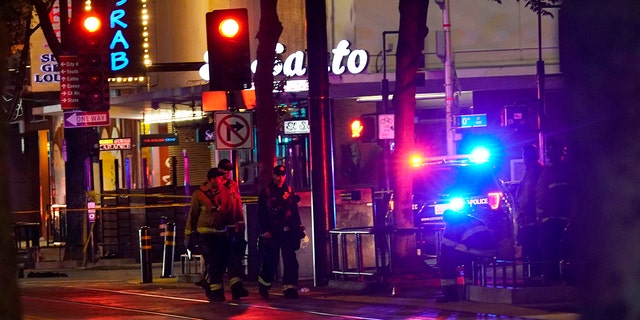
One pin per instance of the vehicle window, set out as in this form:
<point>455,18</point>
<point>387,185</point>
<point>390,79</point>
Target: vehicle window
<point>440,181</point>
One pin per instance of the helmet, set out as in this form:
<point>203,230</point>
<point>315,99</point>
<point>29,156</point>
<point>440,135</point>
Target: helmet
<point>530,152</point>
<point>555,151</point>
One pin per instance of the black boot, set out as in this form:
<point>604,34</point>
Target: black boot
<point>291,293</point>
<point>216,295</point>
<point>238,291</point>
<point>450,294</point>
<point>205,286</point>
<point>264,291</point>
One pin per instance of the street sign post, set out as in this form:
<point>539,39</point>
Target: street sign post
<point>79,119</point>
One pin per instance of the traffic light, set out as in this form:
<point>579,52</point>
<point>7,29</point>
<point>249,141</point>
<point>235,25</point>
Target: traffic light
<point>229,52</point>
<point>93,58</point>
<point>365,128</point>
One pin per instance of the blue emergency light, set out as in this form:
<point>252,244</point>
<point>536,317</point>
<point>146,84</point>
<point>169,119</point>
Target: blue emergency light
<point>456,204</point>
<point>480,154</point>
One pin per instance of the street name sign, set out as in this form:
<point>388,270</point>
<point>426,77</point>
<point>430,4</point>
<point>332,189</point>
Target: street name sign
<point>78,119</point>
<point>471,120</point>
<point>69,82</point>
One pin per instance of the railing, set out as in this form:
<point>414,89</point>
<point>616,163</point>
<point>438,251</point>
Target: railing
<point>514,273</point>
<point>368,243</point>
<point>365,252</point>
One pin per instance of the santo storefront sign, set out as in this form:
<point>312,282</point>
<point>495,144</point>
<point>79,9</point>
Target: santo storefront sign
<point>158,140</point>
<point>344,59</point>
<point>115,144</point>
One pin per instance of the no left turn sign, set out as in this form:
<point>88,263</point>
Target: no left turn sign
<point>233,130</point>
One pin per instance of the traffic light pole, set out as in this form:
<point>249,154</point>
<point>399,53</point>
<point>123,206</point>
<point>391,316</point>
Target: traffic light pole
<point>385,108</point>
<point>448,79</point>
<point>78,162</point>
<point>540,84</point>
<point>231,106</point>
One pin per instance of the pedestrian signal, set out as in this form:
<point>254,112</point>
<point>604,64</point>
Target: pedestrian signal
<point>365,128</point>
<point>356,128</point>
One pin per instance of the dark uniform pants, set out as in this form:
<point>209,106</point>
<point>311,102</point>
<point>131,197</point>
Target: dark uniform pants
<point>219,254</point>
<point>551,232</point>
<point>271,250</point>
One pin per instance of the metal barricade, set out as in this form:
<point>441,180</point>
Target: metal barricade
<point>360,251</point>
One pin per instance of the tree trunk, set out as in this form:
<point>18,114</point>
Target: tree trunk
<point>598,55</point>
<point>266,117</point>
<point>43,9</point>
<point>9,298</point>
<point>412,32</point>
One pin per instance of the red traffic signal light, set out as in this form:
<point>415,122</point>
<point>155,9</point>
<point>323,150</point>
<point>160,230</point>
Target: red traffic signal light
<point>91,23</point>
<point>229,28</point>
<point>93,59</point>
<point>229,50</point>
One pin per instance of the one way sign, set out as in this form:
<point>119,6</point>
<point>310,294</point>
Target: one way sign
<point>77,119</point>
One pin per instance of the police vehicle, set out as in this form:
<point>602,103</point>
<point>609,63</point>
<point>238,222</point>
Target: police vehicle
<point>465,184</point>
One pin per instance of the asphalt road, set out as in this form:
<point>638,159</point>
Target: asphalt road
<point>116,294</point>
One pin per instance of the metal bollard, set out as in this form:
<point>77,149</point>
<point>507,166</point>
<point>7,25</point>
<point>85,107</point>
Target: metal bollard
<point>169,250</point>
<point>162,226</point>
<point>145,254</point>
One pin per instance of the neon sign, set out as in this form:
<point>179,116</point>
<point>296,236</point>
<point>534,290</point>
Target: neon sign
<point>128,45</point>
<point>344,59</point>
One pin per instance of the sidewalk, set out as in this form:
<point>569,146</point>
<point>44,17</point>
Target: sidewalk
<point>403,292</point>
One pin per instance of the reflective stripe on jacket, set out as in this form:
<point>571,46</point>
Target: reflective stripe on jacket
<point>469,235</point>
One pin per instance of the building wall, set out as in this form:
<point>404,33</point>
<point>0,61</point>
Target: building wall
<point>483,33</point>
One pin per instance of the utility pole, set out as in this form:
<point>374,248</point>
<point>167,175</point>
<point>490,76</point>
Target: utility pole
<point>448,78</point>
<point>540,74</point>
<point>320,139</point>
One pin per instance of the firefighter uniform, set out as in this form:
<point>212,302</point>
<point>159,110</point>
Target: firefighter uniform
<point>280,229</point>
<point>465,239</point>
<point>553,207</point>
<point>213,222</point>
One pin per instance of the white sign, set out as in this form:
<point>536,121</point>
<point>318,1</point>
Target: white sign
<point>77,119</point>
<point>296,127</point>
<point>354,61</point>
<point>386,128</point>
<point>233,130</point>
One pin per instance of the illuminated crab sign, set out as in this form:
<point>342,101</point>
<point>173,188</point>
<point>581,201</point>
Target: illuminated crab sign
<point>127,36</point>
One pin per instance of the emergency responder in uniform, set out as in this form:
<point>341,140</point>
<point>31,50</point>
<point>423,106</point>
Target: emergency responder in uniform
<point>553,207</point>
<point>280,232</point>
<point>211,222</point>
<point>238,241</point>
<point>465,239</point>
<point>527,219</point>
